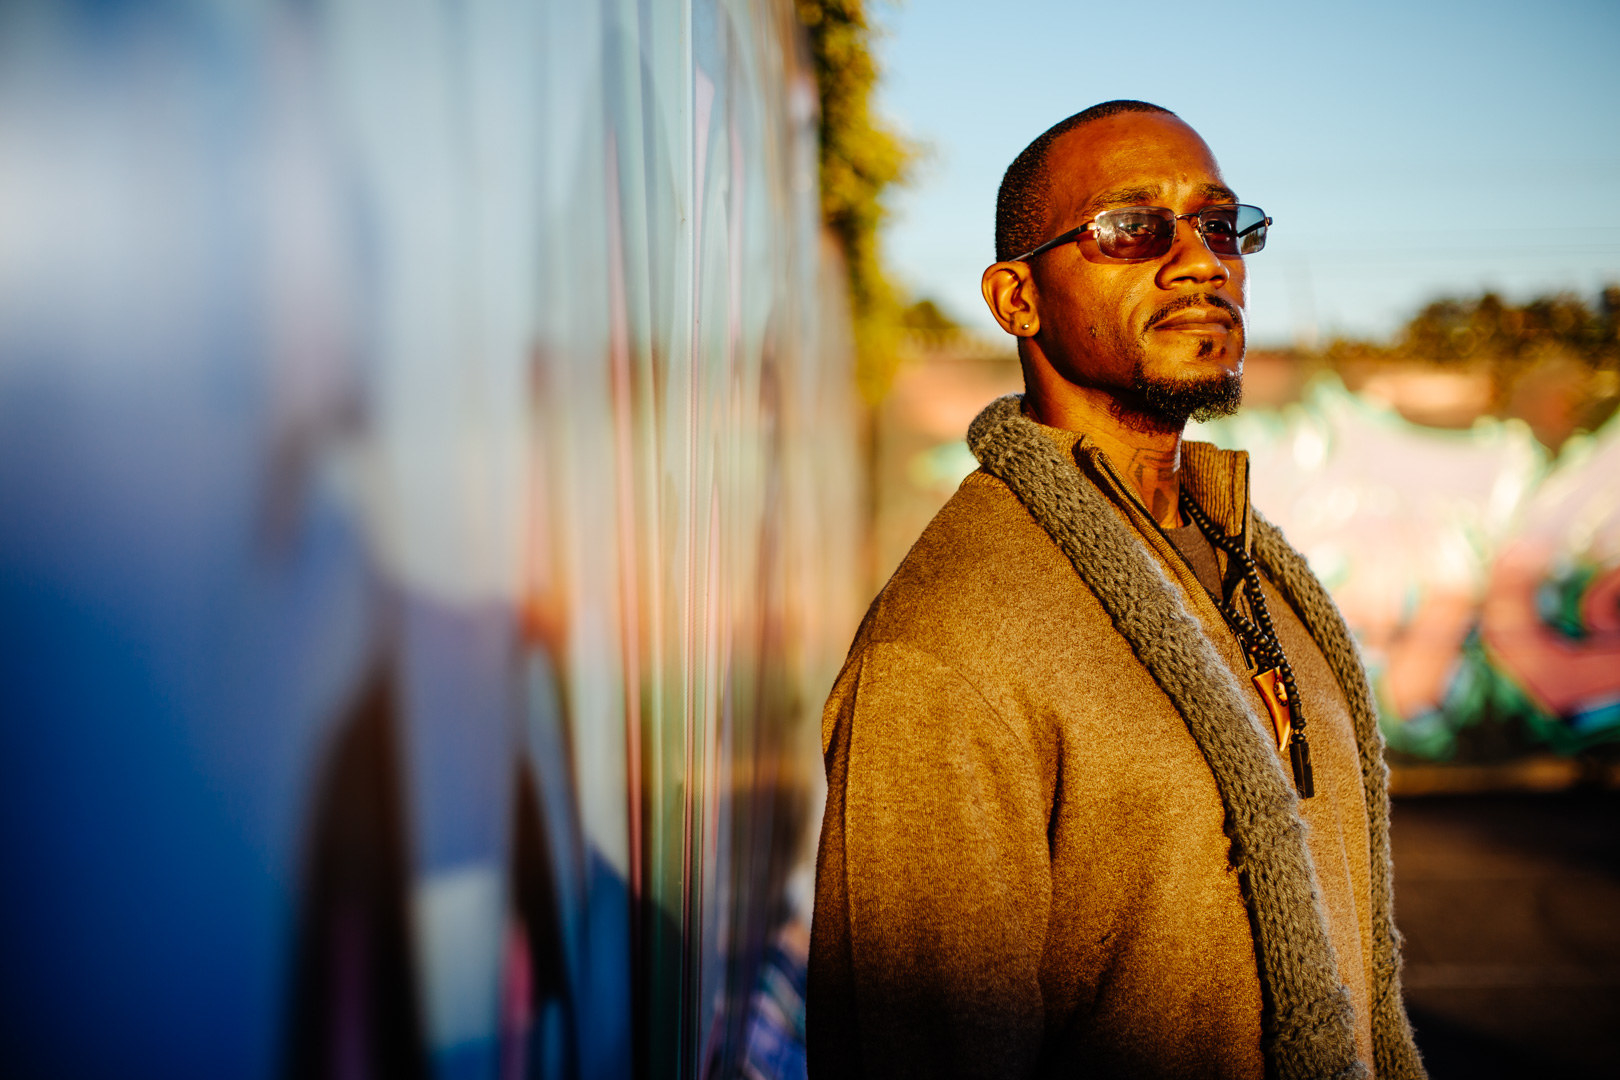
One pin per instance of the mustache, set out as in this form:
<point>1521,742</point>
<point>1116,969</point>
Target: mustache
<point>1197,300</point>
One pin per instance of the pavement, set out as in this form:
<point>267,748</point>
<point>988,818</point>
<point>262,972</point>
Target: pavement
<point>1511,909</point>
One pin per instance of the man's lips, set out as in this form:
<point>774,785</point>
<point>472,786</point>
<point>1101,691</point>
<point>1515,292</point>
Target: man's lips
<point>1210,319</point>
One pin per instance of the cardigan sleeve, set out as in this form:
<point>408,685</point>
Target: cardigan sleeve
<point>933,881</point>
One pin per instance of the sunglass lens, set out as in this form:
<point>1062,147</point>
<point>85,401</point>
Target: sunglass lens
<point>1135,234</point>
<point>1219,226</point>
<point>1233,230</point>
<point>1251,229</point>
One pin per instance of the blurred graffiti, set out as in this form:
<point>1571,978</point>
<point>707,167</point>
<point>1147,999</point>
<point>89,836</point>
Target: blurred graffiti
<point>1482,579</point>
<point>1480,574</point>
<point>427,528</point>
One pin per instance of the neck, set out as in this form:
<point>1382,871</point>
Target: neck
<point>1148,461</point>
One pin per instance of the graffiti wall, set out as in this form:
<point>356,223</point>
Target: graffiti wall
<point>1481,577</point>
<point>1480,573</point>
<point>426,532</point>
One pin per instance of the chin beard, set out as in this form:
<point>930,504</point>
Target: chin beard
<point>1165,405</point>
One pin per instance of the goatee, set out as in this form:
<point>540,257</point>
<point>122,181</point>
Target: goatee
<point>1165,405</point>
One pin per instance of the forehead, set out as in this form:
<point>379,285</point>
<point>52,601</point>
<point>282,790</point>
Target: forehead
<point>1139,158</point>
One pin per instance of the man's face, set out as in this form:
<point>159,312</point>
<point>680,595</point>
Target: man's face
<point>1163,337</point>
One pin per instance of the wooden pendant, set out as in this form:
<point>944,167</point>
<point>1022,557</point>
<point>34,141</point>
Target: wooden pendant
<point>1274,692</point>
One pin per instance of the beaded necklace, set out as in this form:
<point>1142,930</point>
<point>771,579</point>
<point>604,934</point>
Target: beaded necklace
<point>1273,675</point>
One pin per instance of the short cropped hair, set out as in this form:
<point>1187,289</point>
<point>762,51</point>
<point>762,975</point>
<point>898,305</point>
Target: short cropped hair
<point>1022,202</point>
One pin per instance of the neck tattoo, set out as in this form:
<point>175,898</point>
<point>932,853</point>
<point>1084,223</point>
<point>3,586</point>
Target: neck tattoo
<point>1152,471</point>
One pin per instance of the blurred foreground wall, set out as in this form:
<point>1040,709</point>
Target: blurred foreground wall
<point>426,532</point>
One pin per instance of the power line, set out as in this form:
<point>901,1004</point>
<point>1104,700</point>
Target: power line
<point>1324,259</point>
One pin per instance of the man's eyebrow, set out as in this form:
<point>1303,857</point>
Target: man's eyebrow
<point>1123,196</point>
<point>1149,196</point>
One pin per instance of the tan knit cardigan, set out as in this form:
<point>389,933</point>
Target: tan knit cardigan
<point>1057,840</point>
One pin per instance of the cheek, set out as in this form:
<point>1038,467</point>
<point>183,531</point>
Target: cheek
<point>1239,284</point>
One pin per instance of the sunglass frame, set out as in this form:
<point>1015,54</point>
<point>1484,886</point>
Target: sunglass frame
<point>1164,213</point>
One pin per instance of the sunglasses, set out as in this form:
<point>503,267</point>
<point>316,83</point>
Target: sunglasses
<point>1147,232</point>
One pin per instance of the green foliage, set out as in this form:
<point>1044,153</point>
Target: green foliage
<point>926,315</point>
<point>1488,330</point>
<point>1554,361</point>
<point>860,159</point>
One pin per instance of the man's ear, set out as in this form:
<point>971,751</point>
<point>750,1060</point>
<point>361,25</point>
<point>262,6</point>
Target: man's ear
<point>1009,290</point>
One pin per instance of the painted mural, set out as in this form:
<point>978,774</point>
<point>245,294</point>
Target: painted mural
<point>427,530</point>
<point>1481,576</point>
<point>1479,572</point>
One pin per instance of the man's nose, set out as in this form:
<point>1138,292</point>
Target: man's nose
<point>1190,258</point>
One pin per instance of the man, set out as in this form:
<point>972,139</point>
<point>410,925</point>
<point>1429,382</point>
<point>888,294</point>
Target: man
<point>1106,790</point>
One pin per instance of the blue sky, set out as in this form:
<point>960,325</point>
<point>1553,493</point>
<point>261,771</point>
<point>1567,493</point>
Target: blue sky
<point>1406,150</point>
